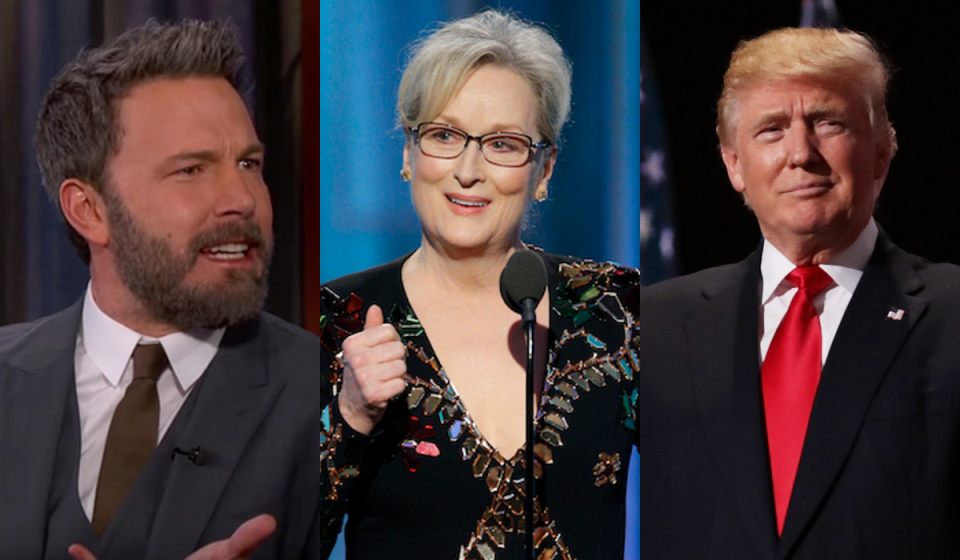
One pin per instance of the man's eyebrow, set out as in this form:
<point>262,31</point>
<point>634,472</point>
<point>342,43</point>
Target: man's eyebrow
<point>825,110</point>
<point>203,155</point>
<point>213,155</point>
<point>253,149</point>
<point>768,116</point>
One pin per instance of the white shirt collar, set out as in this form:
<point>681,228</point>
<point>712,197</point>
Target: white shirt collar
<point>110,344</point>
<point>845,268</point>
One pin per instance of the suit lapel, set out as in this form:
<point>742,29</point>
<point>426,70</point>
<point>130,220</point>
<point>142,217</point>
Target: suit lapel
<point>235,395</point>
<point>865,345</point>
<point>722,337</point>
<point>35,384</point>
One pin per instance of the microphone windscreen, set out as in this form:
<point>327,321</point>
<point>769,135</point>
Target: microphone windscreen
<point>524,277</point>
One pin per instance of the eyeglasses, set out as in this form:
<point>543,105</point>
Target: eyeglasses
<point>507,149</point>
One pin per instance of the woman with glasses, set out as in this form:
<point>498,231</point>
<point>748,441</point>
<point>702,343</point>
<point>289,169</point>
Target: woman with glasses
<point>424,442</point>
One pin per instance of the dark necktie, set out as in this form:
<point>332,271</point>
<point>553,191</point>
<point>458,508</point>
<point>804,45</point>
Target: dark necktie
<point>132,436</point>
<point>790,374</point>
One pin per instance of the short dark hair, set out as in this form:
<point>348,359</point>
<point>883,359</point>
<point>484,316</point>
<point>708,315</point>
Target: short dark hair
<point>78,127</point>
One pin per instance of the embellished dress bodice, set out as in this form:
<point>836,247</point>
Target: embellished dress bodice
<point>428,485</point>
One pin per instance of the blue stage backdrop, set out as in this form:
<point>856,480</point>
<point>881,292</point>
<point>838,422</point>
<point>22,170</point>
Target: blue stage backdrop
<point>610,194</point>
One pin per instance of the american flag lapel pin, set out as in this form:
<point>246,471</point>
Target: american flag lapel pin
<point>895,314</point>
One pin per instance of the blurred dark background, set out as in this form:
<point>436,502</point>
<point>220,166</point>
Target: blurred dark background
<point>691,44</point>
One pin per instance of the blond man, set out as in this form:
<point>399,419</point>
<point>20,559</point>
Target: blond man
<point>801,404</point>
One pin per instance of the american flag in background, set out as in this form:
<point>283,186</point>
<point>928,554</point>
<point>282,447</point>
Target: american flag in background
<point>639,202</point>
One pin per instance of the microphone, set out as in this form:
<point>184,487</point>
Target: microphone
<point>197,455</point>
<point>522,284</point>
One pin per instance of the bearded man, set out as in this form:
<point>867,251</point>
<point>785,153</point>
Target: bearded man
<point>163,409</point>
<point>802,404</point>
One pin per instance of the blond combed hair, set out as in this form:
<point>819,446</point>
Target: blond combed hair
<point>834,56</point>
<point>442,61</point>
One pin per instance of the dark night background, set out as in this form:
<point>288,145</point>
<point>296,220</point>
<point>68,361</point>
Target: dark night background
<point>918,204</point>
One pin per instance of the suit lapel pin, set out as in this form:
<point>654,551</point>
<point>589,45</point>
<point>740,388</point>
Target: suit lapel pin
<point>895,314</point>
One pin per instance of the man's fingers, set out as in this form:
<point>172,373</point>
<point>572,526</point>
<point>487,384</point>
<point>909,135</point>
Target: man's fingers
<point>80,552</point>
<point>241,543</point>
<point>248,536</point>
<point>374,317</point>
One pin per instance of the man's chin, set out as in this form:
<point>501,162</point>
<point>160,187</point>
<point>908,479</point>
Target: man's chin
<point>211,305</point>
<point>211,273</point>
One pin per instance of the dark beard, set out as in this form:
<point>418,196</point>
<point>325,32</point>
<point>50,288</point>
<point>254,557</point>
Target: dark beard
<point>154,273</point>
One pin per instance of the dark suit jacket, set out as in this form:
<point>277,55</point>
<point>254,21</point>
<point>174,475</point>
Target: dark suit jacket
<point>256,410</point>
<point>879,476</point>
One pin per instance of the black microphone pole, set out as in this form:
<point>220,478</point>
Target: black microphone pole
<point>529,322</point>
<point>522,284</point>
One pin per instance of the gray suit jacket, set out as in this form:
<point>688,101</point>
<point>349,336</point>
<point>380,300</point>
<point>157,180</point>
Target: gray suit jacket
<point>256,411</point>
<point>878,477</point>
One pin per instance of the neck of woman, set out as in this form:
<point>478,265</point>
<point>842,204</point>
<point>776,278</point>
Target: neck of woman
<point>462,272</point>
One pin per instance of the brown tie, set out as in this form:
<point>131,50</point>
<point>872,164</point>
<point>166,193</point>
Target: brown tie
<point>132,436</point>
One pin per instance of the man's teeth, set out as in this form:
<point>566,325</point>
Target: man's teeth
<point>228,251</point>
<point>470,203</point>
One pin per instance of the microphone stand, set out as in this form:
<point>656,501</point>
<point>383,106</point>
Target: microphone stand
<point>529,322</point>
<point>522,284</point>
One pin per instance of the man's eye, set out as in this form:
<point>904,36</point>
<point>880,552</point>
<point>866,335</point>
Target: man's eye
<point>250,164</point>
<point>190,170</point>
<point>829,126</point>
<point>769,133</point>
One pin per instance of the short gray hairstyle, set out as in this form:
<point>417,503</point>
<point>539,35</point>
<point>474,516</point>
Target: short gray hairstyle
<point>440,63</point>
<point>78,128</point>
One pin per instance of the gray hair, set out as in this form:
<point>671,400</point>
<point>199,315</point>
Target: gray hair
<point>78,127</point>
<point>440,62</point>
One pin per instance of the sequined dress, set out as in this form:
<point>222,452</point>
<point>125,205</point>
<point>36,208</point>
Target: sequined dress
<point>427,485</point>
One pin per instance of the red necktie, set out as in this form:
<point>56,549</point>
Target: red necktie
<point>790,374</point>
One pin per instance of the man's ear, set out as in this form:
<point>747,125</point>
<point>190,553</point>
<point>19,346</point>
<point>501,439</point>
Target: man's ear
<point>881,163</point>
<point>84,209</point>
<point>732,162</point>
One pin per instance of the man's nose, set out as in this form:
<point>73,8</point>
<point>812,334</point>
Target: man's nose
<point>236,192</point>
<point>801,146</point>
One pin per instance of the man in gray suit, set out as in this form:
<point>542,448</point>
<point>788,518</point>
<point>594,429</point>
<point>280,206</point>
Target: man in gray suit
<point>164,409</point>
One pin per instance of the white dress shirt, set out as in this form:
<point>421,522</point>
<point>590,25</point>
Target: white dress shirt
<point>845,268</point>
<point>104,369</point>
